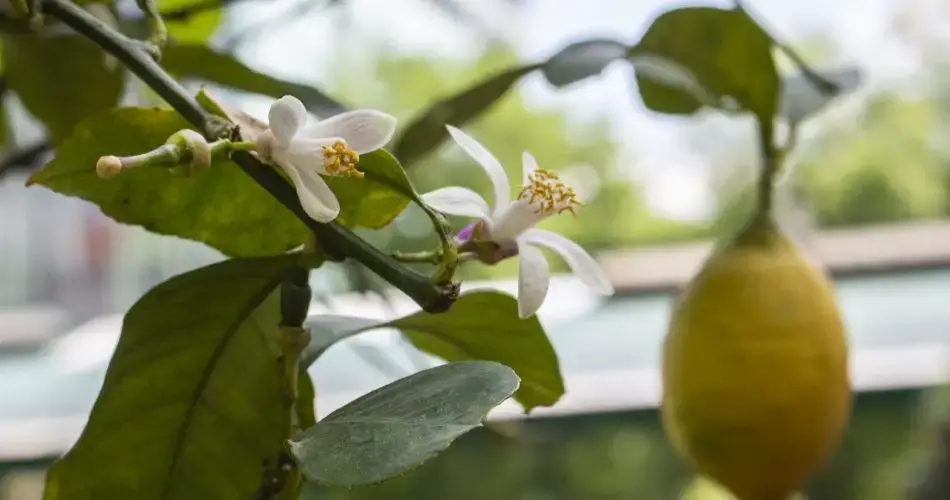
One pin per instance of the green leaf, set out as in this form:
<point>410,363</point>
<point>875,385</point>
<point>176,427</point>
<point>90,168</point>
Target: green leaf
<point>61,79</point>
<point>196,26</point>
<point>582,60</point>
<point>674,76</point>
<point>220,206</point>
<point>729,54</point>
<point>191,406</point>
<point>376,199</point>
<point>204,63</point>
<point>801,98</point>
<point>428,131</point>
<point>482,325</point>
<point>401,425</point>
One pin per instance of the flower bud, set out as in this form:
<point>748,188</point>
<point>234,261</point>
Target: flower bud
<point>197,147</point>
<point>108,167</point>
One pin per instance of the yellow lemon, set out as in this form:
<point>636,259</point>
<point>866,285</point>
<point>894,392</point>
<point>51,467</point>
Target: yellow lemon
<point>755,367</point>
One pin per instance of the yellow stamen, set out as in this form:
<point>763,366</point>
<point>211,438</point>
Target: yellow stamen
<point>548,193</point>
<point>340,160</point>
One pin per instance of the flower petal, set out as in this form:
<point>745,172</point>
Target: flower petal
<point>307,154</point>
<point>491,165</point>
<point>364,130</point>
<point>315,196</point>
<point>512,221</point>
<point>528,166</point>
<point>265,145</point>
<point>534,276</point>
<point>581,263</point>
<point>454,200</point>
<point>285,118</point>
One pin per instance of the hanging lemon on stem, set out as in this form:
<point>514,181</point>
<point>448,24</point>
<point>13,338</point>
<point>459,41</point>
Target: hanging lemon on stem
<point>756,392</point>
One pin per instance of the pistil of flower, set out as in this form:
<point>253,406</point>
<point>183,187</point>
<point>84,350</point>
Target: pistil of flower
<point>340,160</point>
<point>548,194</point>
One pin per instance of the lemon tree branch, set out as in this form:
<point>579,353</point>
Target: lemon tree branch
<point>335,239</point>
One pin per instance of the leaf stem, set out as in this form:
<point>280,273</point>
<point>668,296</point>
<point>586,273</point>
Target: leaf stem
<point>424,257</point>
<point>166,155</point>
<point>237,146</point>
<point>334,238</point>
<point>771,165</point>
<point>448,255</point>
<point>823,84</point>
<point>158,33</point>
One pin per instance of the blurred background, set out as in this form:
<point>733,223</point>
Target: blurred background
<point>869,196</point>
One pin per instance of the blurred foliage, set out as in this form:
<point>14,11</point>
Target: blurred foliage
<point>203,63</point>
<point>196,27</point>
<point>66,58</point>
<point>887,166</point>
<point>731,45</point>
<point>884,169</point>
<point>624,455</point>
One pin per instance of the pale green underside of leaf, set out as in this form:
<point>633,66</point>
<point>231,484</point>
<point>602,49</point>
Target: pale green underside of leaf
<point>401,425</point>
<point>482,325</point>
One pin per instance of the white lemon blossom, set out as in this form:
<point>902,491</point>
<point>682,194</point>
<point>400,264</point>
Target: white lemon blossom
<point>507,228</point>
<point>328,147</point>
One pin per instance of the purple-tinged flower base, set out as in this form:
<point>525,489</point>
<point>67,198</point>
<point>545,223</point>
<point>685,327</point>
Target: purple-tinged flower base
<point>508,252</point>
<point>465,235</point>
<point>470,239</point>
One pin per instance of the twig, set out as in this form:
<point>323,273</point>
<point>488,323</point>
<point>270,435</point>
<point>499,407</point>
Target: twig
<point>335,239</point>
